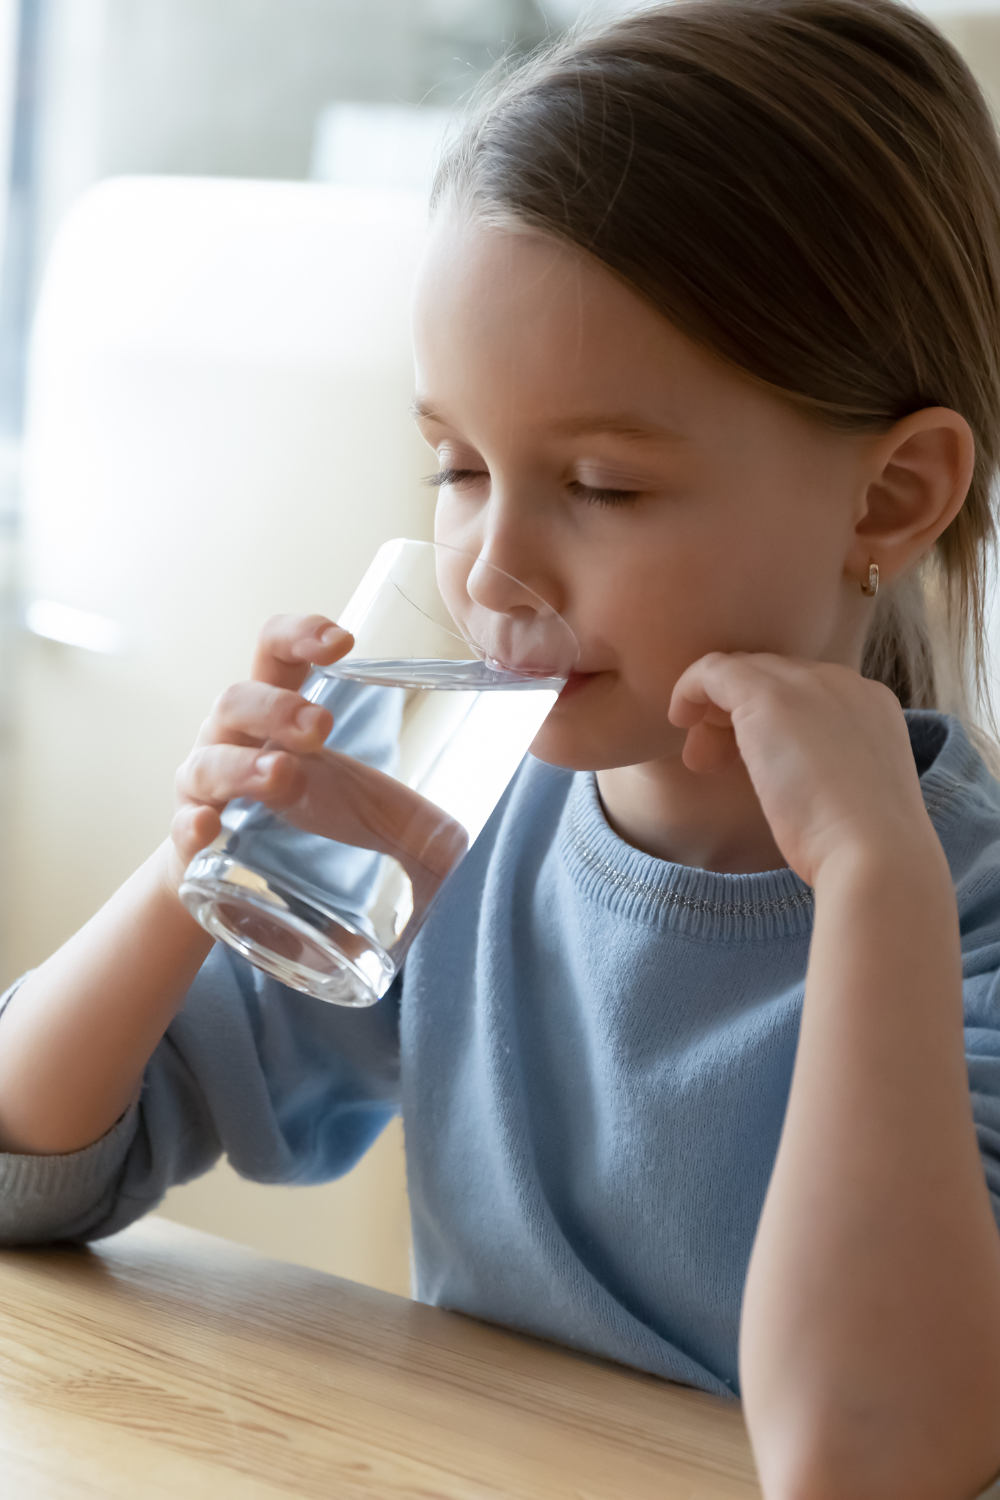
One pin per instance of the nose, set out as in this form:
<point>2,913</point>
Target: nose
<point>509,529</point>
<point>515,544</point>
<point>493,587</point>
<point>514,589</point>
<point>515,615</point>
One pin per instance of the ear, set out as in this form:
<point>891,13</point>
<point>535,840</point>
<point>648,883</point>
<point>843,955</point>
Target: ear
<point>920,472</point>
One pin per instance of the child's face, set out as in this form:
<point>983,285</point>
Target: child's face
<point>548,383</point>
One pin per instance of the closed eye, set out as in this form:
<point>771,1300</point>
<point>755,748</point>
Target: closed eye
<point>591,494</point>
<point>595,496</point>
<point>452,476</point>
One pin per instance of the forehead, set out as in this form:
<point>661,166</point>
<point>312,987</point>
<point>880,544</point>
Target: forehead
<point>517,319</point>
<point>465,257</point>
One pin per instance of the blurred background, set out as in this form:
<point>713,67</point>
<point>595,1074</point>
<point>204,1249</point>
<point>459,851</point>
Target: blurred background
<point>209,215</point>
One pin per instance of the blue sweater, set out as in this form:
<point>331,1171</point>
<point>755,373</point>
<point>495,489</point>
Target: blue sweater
<point>592,1051</point>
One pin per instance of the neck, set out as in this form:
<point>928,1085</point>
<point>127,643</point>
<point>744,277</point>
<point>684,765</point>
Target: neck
<point>709,822</point>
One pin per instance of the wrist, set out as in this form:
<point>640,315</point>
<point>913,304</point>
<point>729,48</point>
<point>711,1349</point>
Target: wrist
<point>902,859</point>
<point>171,868</point>
<point>167,872</point>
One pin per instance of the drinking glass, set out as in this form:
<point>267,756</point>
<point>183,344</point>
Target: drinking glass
<point>454,667</point>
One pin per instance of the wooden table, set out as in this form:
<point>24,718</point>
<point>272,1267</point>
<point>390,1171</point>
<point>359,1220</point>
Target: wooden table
<point>166,1363</point>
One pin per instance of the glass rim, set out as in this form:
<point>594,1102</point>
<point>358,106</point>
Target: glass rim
<point>544,609</point>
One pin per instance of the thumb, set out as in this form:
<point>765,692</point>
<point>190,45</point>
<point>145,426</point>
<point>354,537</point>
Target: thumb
<point>192,829</point>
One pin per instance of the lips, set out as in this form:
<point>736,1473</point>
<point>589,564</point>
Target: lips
<point>575,681</point>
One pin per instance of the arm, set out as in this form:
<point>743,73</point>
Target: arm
<point>78,1033</point>
<point>870,1339</point>
<point>288,1090</point>
<point>871,1320</point>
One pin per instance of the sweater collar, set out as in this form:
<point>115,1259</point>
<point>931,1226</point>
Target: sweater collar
<point>771,906</point>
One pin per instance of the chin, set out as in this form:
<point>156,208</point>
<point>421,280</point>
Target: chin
<point>569,759</point>
<point>603,740</point>
<point>583,752</point>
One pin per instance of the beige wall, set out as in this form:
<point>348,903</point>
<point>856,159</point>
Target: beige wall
<point>976,34</point>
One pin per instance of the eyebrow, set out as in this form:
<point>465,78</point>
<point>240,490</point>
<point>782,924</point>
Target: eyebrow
<point>621,424</point>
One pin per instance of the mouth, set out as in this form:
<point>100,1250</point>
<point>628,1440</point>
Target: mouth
<point>575,682</point>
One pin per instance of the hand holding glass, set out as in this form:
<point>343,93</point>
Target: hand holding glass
<point>454,667</point>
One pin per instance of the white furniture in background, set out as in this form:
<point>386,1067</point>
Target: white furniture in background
<point>218,430</point>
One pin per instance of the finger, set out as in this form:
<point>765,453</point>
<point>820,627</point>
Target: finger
<point>714,686</point>
<point>193,829</point>
<point>215,774</point>
<point>709,747</point>
<point>289,645</point>
<point>251,713</point>
<point>691,697</point>
<point>347,800</point>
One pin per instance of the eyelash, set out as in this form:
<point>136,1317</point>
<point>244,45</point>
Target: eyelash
<point>583,491</point>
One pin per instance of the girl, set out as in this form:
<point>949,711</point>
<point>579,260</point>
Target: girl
<point>699,1055</point>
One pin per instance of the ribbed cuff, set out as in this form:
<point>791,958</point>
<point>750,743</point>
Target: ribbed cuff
<point>49,1197</point>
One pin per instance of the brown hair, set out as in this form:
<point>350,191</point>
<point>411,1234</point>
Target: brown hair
<point>809,188</point>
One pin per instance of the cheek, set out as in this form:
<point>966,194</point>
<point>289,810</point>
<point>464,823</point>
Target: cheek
<point>457,523</point>
<point>653,601</point>
<point>780,582</point>
<point>744,582</point>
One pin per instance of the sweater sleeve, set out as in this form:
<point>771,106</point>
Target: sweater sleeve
<point>982,1053</point>
<point>290,1089</point>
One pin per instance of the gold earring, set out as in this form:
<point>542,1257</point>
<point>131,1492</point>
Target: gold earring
<point>870,589</point>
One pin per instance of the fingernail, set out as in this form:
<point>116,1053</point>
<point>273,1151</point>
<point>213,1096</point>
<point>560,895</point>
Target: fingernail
<point>331,634</point>
<point>309,719</point>
<point>265,765</point>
